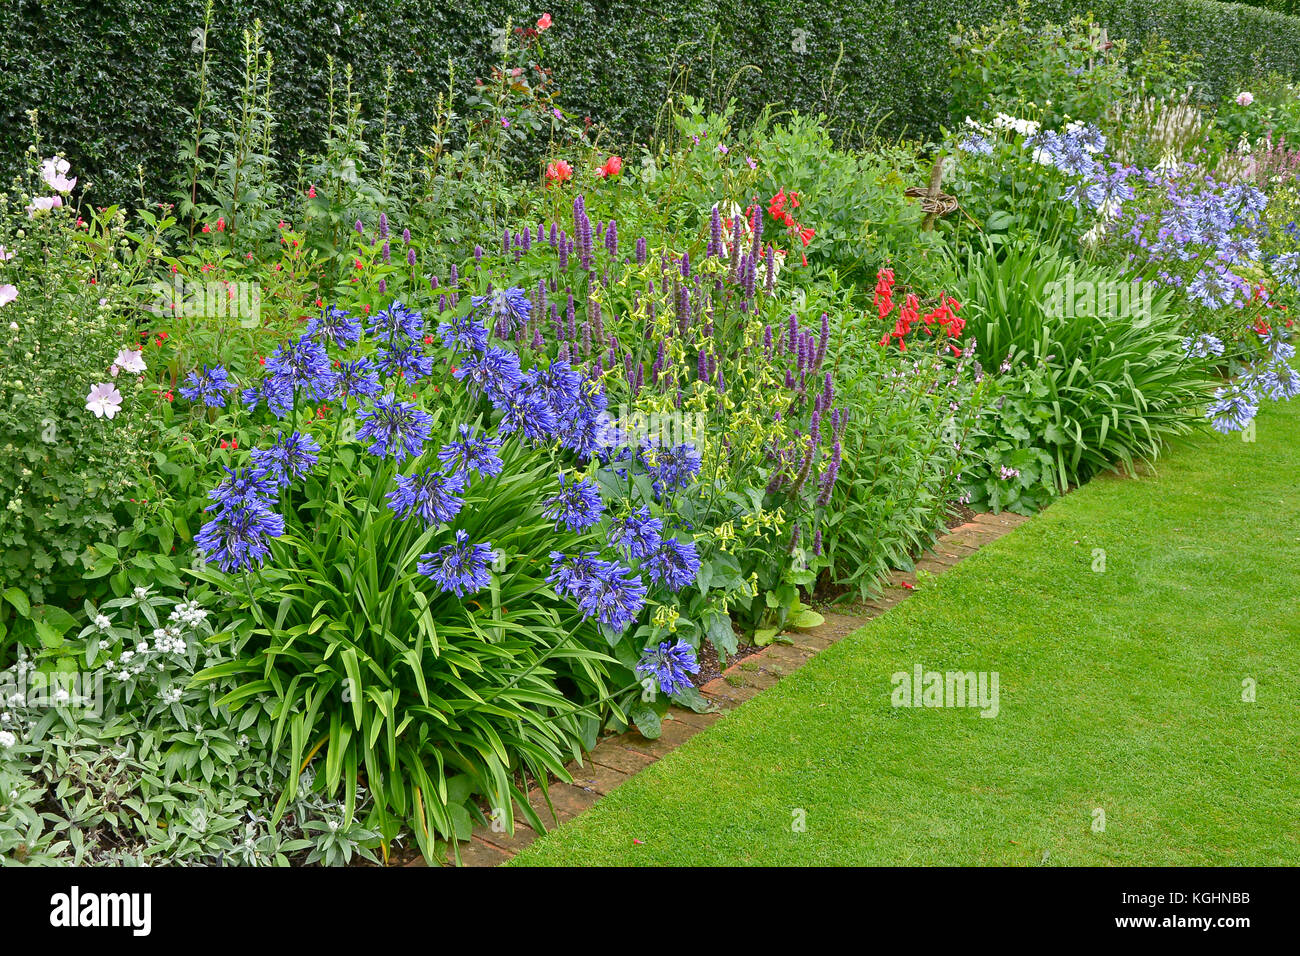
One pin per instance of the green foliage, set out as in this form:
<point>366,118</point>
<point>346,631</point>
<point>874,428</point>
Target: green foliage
<point>1112,371</point>
<point>871,68</point>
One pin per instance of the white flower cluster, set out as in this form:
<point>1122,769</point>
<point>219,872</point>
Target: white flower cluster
<point>191,614</point>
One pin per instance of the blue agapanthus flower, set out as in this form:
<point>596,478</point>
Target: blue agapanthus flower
<point>397,324</point>
<point>578,504</point>
<point>460,568</point>
<point>477,454</point>
<point>1280,382</point>
<point>239,537</point>
<point>1203,346</point>
<point>573,576</point>
<point>334,327</point>
<point>1232,410</point>
<point>394,428</point>
<point>670,663</point>
<point>209,386</point>
<point>614,597</point>
<point>355,379</point>
<point>559,385</point>
<point>495,373</point>
<point>975,143</point>
<point>244,487</point>
<point>507,309</point>
<point>462,332</point>
<point>636,535</point>
<point>406,360</point>
<point>277,393</point>
<point>673,564</point>
<point>526,413</point>
<point>431,494</point>
<point>671,468</point>
<point>1286,268</point>
<point>303,364</point>
<point>289,458</point>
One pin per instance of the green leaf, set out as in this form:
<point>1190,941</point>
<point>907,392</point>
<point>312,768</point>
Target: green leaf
<point>646,719</point>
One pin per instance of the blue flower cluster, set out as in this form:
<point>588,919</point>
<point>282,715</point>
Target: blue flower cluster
<point>238,536</point>
<point>459,568</point>
<point>209,386</point>
<point>670,663</point>
<point>1236,405</point>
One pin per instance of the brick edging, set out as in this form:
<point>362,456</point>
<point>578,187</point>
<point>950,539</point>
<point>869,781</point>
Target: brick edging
<point>617,758</point>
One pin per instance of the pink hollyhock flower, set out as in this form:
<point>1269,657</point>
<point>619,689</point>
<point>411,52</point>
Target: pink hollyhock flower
<point>8,293</point>
<point>128,360</point>
<point>44,204</point>
<point>54,172</point>
<point>104,400</point>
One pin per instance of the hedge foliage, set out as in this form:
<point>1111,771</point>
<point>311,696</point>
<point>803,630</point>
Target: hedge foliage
<point>113,77</point>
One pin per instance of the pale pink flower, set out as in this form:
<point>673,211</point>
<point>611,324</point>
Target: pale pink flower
<point>44,204</point>
<point>54,172</point>
<point>104,400</point>
<point>1245,99</point>
<point>5,256</point>
<point>128,360</point>
<point>8,293</point>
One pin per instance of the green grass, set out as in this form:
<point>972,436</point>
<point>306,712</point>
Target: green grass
<point>1119,690</point>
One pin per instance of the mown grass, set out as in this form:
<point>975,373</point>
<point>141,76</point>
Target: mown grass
<point>1120,690</point>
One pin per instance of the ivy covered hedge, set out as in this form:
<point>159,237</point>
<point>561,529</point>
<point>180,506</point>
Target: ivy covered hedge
<point>112,79</point>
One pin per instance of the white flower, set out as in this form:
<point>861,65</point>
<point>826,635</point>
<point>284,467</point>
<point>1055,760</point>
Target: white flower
<point>54,172</point>
<point>104,400</point>
<point>7,294</point>
<point>102,622</point>
<point>128,360</point>
<point>7,739</point>
<point>1245,99</point>
<point>141,593</point>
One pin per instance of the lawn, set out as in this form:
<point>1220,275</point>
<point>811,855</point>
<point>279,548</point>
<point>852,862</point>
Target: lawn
<point>1121,691</point>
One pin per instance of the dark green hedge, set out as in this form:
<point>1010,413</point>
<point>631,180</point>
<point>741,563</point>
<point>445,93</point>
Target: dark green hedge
<point>110,76</point>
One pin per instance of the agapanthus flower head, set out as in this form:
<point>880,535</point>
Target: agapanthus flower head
<point>355,379</point>
<point>614,597</point>
<point>525,413</point>
<point>463,332</point>
<point>275,391</point>
<point>288,459</point>
<point>670,663</point>
<point>238,537</point>
<point>573,576</point>
<point>1232,410</point>
<point>673,564</point>
<point>407,360</point>
<point>397,324</point>
<point>505,309</point>
<point>636,534</point>
<point>472,453</point>
<point>335,327</point>
<point>578,504</point>
<point>461,568</point>
<point>495,373</point>
<point>1203,346</point>
<point>671,468</point>
<point>395,428</point>
<point>1279,381</point>
<point>302,364</point>
<point>209,386</point>
<point>431,494</point>
<point>244,487</point>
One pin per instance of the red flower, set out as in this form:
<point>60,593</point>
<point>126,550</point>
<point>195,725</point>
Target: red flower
<point>544,22</point>
<point>206,227</point>
<point>806,234</point>
<point>221,224</point>
<point>613,166</point>
<point>558,172</point>
<point>311,192</point>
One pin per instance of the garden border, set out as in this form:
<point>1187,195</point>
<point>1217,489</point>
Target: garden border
<point>618,758</point>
